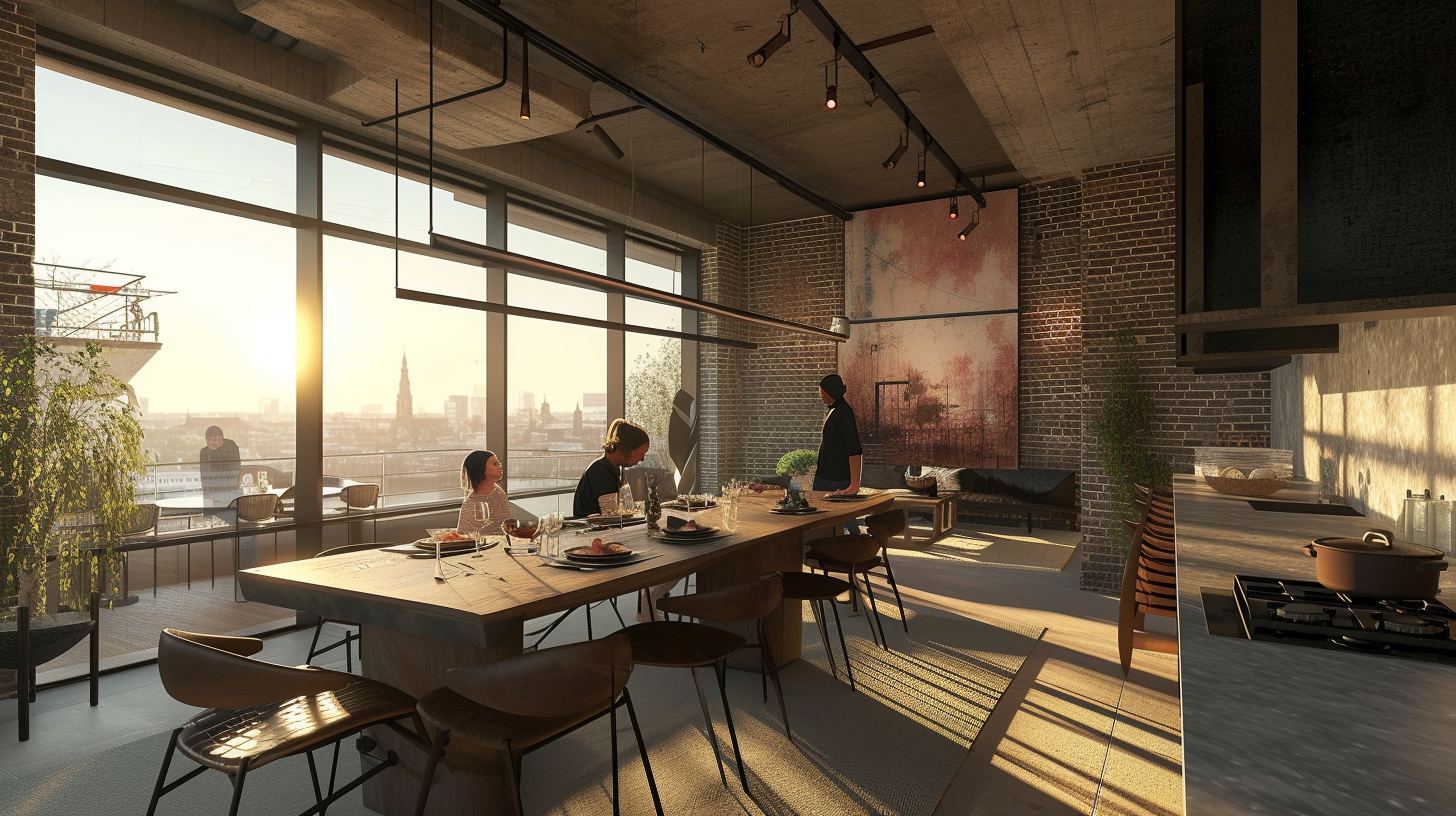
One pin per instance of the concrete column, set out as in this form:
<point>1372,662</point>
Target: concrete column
<point>308,468</point>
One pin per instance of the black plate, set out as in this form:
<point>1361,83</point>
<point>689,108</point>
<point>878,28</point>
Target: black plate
<point>858,497</point>
<point>698,533</point>
<point>677,505</point>
<point>798,511</point>
<point>605,558</point>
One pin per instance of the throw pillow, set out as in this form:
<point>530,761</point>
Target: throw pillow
<point>947,480</point>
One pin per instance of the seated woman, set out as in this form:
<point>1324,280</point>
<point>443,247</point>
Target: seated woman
<point>478,477</point>
<point>626,444</point>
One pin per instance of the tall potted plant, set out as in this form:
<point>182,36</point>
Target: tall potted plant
<point>1124,430</point>
<point>70,448</point>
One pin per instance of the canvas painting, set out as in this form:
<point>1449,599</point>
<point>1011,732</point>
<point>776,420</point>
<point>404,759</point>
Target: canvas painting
<point>931,363</point>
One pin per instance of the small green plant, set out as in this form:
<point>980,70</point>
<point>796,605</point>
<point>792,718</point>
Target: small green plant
<point>70,450</point>
<point>1125,438</point>
<point>796,462</point>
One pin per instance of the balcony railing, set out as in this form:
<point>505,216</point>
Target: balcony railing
<point>93,304</point>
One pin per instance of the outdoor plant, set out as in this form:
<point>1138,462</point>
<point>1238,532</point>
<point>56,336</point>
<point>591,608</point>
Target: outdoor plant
<point>796,462</point>
<point>1125,438</point>
<point>70,449</point>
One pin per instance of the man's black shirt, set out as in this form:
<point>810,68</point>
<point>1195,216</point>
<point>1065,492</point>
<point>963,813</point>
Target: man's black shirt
<point>839,442</point>
<point>602,478</point>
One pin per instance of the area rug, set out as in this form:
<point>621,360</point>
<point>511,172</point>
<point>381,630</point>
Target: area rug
<point>1003,549</point>
<point>891,748</point>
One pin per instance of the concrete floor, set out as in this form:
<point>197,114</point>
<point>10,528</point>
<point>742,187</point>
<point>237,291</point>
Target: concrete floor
<point>1069,736</point>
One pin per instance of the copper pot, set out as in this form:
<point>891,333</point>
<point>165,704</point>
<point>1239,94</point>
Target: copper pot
<point>1377,566</point>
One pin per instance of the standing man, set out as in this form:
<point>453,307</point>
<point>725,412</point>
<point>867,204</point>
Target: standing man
<point>839,449</point>
<point>220,465</point>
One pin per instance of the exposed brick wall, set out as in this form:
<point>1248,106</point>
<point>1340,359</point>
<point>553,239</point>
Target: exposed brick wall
<point>17,172</point>
<point>1051,325</point>
<point>1128,238</point>
<point>759,404</point>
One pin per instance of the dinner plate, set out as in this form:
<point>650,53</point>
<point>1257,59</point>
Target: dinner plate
<point>584,555</point>
<point>797,511</point>
<point>843,498</point>
<point>445,546</point>
<point>611,520</point>
<point>419,551</point>
<point>672,539</point>
<point>677,505</point>
<point>700,531</point>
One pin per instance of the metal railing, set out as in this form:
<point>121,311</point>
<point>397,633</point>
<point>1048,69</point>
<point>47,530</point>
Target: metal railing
<point>93,304</point>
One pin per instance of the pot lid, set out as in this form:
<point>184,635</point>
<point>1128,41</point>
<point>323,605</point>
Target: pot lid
<point>1378,542</point>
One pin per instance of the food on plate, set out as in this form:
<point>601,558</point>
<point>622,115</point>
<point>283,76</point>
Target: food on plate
<point>1231,473</point>
<point>1264,473</point>
<point>451,535</point>
<point>690,525</point>
<point>608,548</point>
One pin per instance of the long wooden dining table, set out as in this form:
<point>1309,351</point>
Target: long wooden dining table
<point>414,628</point>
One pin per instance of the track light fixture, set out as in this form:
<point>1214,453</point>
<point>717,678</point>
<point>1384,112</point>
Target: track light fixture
<point>831,89</point>
<point>955,207</point>
<point>777,41</point>
<point>920,170</point>
<point>899,151</point>
<point>973,222</point>
<point>525,79</point>
<point>606,140</point>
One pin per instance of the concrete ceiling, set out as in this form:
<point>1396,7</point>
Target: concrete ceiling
<point>1033,90</point>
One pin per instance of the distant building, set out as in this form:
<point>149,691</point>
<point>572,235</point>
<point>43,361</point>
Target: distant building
<point>528,401</point>
<point>268,405</point>
<point>457,408</point>
<point>576,422</point>
<point>590,401</point>
<point>477,408</point>
<point>372,409</point>
<point>404,404</point>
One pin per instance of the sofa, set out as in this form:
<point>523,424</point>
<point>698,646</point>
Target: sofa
<point>1028,492</point>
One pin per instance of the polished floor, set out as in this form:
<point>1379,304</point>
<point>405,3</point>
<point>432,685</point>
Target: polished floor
<point>1069,736</point>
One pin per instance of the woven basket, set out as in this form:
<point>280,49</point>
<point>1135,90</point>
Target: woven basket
<point>1245,487</point>
<point>920,484</point>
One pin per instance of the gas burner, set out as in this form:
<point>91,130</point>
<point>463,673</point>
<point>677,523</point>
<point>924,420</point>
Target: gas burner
<point>1304,613</point>
<point>1407,624</point>
<point>1360,644</point>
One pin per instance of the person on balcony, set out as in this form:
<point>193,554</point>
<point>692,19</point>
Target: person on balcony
<point>480,475</point>
<point>220,465</point>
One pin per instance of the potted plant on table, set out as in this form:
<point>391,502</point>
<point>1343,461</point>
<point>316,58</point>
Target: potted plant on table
<point>70,448</point>
<point>798,464</point>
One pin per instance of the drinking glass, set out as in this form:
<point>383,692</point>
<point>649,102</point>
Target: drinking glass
<point>625,505</point>
<point>482,517</point>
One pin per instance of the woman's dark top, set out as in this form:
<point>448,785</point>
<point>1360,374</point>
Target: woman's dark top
<point>839,442</point>
<point>601,479</point>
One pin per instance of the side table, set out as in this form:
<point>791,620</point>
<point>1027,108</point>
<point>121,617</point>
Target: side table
<point>941,510</point>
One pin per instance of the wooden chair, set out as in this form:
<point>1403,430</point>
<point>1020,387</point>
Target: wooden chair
<point>1149,580</point>
<point>358,497</point>
<point>882,527</point>
<point>514,706</point>
<point>816,589</point>
<point>350,637</point>
<point>259,712</point>
<point>252,510</point>
<point>683,645</point>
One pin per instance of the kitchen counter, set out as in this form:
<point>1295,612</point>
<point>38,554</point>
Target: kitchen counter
<point>1273,728</point>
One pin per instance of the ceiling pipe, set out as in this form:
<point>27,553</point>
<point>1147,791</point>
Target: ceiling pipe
<point>816,14</point>
<point>498,15</point>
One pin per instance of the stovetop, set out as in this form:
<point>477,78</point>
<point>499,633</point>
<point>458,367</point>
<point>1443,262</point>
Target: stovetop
<point>1305,613</point>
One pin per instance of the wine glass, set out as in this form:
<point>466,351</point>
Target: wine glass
<point>625,505</point>
<point>482,518</point>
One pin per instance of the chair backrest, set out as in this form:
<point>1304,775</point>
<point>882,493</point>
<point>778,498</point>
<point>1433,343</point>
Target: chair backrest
<point>214,671</point>
<point>143,520</point>
<point>737,604</point>
<point>846,549</point>
<point>362,495</point>
<point>256,507</point>
<point>886,525</point>
<point>551,682</point>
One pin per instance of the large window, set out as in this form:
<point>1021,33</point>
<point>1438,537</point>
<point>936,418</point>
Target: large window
<point>362,195</point>
<point>653,364</point>
<point>556,375</point>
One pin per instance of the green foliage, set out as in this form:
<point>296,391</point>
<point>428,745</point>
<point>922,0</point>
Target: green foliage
<point>652,384</point>
<point>796,462</point>
<point>70,450</point>
<point>1125,438</point>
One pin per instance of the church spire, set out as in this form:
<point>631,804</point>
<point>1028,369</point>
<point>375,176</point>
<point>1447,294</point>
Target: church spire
<point>404,403</point>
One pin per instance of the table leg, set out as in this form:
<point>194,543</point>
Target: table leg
<point>780,553</point>
<point>417,664</point>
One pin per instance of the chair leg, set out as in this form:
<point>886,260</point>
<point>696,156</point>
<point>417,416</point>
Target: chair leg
<point>162,776</point>
<point>513,779</point>
<point>616,782</point>
<point>875,608</point>
<point>894,587</point>
<point>618,613</point>
<point>313,649</point>
<point>642,749</point>
<point>95,649</point>
<point>771,664</point>
<point>318,793</point>
<point>814,606</point>
<point>238,787</point>
<point>427,778</point>
<point>708,721</point>
<point>24,680</point>
<point>839,627</point>
<point>721,670</point>
<point>855,595</point>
